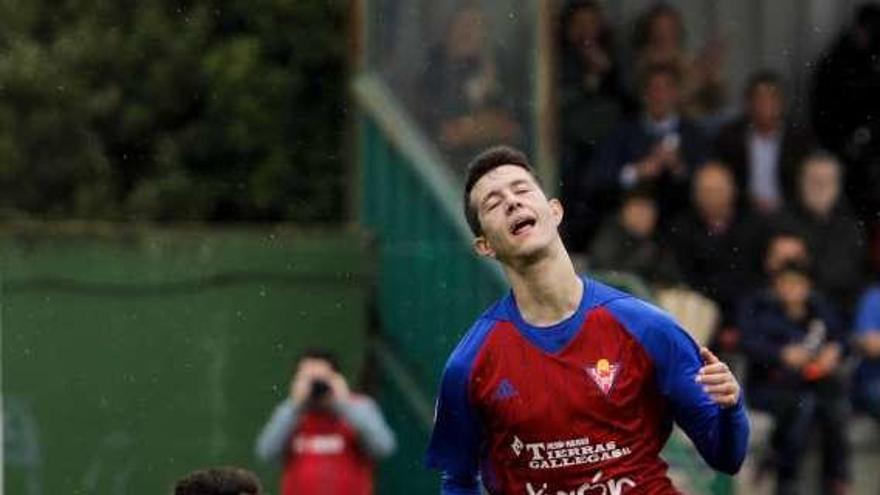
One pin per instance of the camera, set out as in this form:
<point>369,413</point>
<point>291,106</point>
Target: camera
<point>319,390</point>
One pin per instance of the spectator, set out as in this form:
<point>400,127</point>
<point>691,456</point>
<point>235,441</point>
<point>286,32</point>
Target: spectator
<point>591,102</point>
<point>866,383</point>
<point>846,107</point>
<point>836,242</point>
<point>657,151</point>
<point>659,39</point>
<point>326,437</point>
<point>464,97</point>
<point>631,243</point>
<point>794,344</point>
<point>763,149</point>
<point>714,242</point>
<point>784,246</point>
<point>219,481</point>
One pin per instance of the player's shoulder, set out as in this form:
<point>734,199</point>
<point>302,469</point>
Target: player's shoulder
<point>634,311</point>
<point>648,323</point>
<point>464,354</point>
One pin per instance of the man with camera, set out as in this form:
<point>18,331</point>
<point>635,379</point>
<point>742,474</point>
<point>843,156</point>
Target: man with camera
<point>326,437</point>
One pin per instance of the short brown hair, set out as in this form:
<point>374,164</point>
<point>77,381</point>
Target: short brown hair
<point>226,480</point>
<point>764,78</point>
<point>658,69</point>
<point>485,162</point>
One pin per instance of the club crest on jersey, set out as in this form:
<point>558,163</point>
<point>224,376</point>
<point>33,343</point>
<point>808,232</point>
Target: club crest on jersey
<point>603,372</point>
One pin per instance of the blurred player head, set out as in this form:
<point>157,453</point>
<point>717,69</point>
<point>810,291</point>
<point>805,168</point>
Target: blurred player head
<point>584,28</point>
<point>467,33</point>
<point>784,246</point>
<point>765,100</point>
<point>714,191</point>
<point>638,214</point>
<point>661,92</point>
<point>792,283</point>
<point>320,366</point>
<point>509,214</point>
<point>820,184</point>
<point>660,29</point>
<point>219,481</point>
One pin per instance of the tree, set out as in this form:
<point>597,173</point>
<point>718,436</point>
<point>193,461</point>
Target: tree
<point>161,110</point>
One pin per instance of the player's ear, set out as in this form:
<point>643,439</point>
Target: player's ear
<point>482,247</point>
<point>556,211</point>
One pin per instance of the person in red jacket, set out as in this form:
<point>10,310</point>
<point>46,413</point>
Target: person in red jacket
<point>326,437</point>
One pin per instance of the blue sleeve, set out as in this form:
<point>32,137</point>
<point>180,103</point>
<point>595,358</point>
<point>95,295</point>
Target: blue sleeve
<point>720,434</point>
<point>868,313</point>
<point>457,440</point>
<point>450,485</point>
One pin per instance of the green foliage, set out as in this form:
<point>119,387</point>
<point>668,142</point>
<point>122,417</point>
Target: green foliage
<point>162,110</point>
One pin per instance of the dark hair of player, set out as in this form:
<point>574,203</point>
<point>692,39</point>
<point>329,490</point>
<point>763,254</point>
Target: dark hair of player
<point>484,163</point>
<point>227,480</point>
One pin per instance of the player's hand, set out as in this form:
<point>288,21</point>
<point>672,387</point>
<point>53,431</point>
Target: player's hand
<point>649,168</point>
<point>300,387</point>
<point>339,388</point>
<point>717,380</point>
<point>829,357</point>
<point>795,356</point>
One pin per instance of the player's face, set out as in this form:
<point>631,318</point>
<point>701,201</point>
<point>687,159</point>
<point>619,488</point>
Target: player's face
<point>517,219</point>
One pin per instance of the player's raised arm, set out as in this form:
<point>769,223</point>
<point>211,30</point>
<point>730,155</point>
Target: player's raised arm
<point>711,414</point>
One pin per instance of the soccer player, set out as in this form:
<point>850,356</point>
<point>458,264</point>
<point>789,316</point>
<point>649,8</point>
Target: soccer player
<point>568,386</point>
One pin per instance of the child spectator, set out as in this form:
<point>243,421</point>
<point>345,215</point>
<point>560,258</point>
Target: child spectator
<point>794,343</point>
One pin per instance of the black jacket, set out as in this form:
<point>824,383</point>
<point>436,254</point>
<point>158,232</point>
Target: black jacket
<point>838,251</point>
<point>722,265</point>
<point>732,148</point>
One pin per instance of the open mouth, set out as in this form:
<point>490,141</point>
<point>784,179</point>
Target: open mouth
<point>522,225</point>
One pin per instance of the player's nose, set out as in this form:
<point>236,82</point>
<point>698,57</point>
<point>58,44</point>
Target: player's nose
<point>513,204</point>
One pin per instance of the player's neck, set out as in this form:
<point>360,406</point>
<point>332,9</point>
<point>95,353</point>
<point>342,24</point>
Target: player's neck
<point>548,290</point>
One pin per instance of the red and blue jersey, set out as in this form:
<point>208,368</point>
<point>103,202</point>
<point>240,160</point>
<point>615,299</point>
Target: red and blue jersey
<point>584,406</point>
